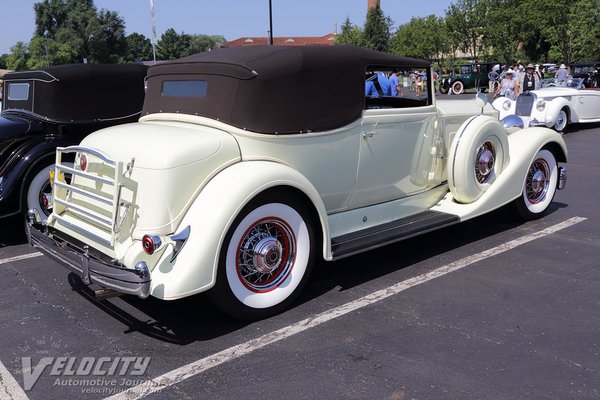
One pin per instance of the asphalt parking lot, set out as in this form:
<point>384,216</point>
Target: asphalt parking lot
<point>493,308</point>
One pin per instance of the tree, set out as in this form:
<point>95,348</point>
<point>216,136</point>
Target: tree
<point>171,45</point>
<point>202,43</point>
<point>17,59</point>
<point>139,48</point>
<point>77,31</point>
<point>3,58</point>
<point>421,38</point>
<point>466,22</point>
<point>584,20</point>
<point>350,34</point>
<point>502,35</point>
<point>377,31</point>
<point>107,39</point>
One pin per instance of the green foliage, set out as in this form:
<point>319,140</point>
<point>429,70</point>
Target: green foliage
<point>139,48</point>
<point>17,59</point>
<point>172,45</point>
<point>425,38</point>
<point>3,58</point>
<point>466,21</point>
<point>74,31</point>
<point>350,34</point>
<point>377,30</point>
<point>202,43</point>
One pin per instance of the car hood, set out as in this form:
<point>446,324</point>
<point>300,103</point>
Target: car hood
<point>555,92</point>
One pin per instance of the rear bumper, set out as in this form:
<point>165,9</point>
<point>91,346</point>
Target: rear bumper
<point>78,259</point>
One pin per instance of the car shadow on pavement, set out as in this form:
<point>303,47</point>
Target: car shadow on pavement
<point>12,231</point>
<point>194,319</point>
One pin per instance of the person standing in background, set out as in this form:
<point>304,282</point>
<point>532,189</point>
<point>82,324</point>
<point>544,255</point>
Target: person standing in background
<point>561,74</point>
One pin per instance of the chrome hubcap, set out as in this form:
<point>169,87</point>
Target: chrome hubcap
<point>537,182</point>
<point>485,162</point>
<point>266,254</point>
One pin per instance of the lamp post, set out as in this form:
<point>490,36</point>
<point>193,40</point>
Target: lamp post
<point>270,23</point>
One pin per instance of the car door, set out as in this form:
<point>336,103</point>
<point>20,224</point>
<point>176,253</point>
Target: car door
<point>399,150</point>
<point>587,104</point>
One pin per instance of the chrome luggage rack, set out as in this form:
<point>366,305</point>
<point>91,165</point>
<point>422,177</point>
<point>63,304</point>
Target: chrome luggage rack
<point>63,191</point>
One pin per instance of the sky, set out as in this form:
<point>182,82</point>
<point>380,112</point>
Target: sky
<point>230,18</point>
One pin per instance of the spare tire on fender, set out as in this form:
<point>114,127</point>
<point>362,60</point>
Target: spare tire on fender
<point>478,154</point>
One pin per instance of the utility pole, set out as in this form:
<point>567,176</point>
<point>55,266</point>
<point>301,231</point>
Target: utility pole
<point>270,23</point>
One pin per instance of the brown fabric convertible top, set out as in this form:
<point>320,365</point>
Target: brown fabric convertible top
<point>273,89</point>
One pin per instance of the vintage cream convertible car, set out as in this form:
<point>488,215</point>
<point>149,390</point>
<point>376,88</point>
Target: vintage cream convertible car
<point>249,163</point>
<point>554,105</point>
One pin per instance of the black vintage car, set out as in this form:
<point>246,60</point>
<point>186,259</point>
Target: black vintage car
<point>52,107</point>
<point>589,72</point>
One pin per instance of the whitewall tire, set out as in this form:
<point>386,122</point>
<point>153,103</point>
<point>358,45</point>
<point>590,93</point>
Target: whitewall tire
<point>561,121</point>
<point>478,154</point>
<point>458,87</point>
<point>39,192</point>
<point>539,187</point>
<point>266,259</point>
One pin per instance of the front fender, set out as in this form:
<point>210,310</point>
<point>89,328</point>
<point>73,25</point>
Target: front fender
<point>553,108</point>
<point>16,169</point>
<point>212,214</point>
<point>523,146</point>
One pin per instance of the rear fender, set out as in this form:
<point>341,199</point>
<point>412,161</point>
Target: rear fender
<point>211,216</point>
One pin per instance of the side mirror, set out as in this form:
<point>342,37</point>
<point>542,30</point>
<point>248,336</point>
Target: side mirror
<point>481,100</point>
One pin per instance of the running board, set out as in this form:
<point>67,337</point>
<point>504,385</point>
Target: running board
<point>377,236</point>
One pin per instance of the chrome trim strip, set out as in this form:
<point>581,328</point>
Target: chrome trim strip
<point>84,192</point>
<point>81,149</point>
<point>73,207</point>
<point>116,228</point>
<point>85,174</point>
<point>82,231</point>
<point>179,240</point>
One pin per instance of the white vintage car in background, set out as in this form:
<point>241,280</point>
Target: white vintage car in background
<point>249,163</point>
<point>553,105</point>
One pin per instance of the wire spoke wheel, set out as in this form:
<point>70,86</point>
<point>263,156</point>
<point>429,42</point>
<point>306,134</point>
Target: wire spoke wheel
<point>485,160</point>
<point>266,258</point>
<point>537,182</point>
<point>266,255</point>
<point>539,187</point>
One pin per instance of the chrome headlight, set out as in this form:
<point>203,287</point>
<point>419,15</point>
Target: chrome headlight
<point>506,105</point>
<point>540,105</point>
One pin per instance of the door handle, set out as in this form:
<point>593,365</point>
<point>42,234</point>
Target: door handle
<point>367,135</point>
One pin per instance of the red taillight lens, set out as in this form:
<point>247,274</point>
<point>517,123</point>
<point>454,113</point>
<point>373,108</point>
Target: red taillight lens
<point>82,162</point>
<point>151,243</point>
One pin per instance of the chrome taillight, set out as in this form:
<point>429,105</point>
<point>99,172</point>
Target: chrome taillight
<point>151,243</point>
<point>83,162</point>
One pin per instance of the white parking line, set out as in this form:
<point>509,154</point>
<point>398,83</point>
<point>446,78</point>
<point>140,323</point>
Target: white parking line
<point>204,364</point>
<point>21,257</point>
<point>9,388</point>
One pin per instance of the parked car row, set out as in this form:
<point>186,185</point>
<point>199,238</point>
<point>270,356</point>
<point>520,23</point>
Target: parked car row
<point>241,173</point>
